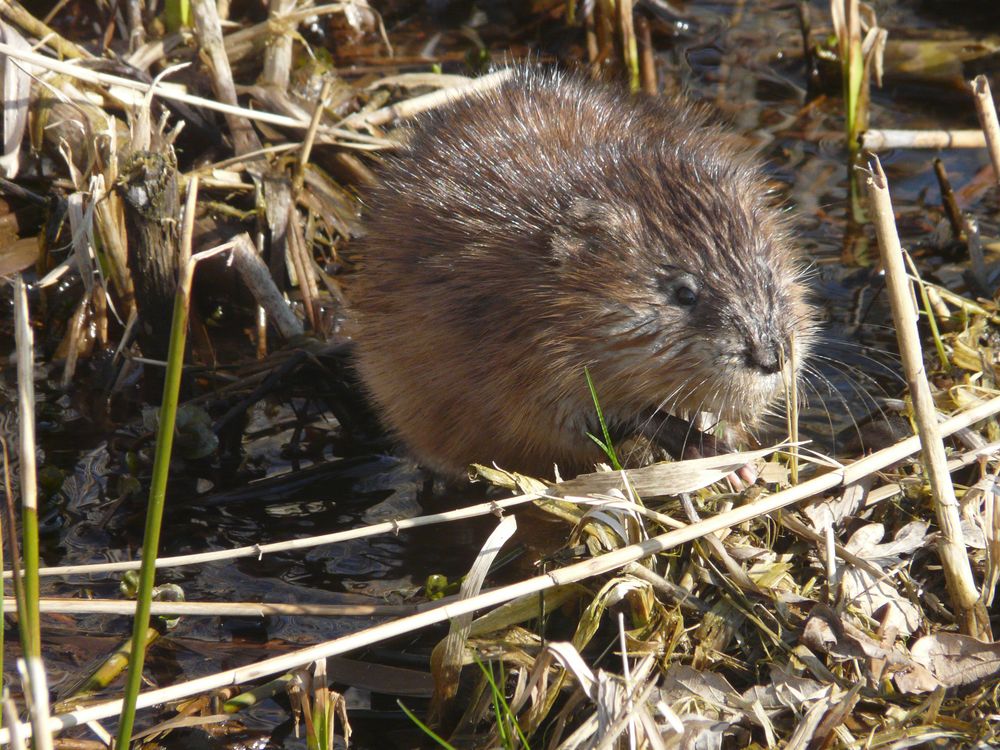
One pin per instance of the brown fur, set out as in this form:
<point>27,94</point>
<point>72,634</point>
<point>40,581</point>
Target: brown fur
<point>546,227</point>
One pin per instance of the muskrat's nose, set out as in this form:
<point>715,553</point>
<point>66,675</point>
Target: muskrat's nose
<point>764,356</point>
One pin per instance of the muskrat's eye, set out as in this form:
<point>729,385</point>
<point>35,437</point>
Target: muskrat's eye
<point>679,287</point>
<point>685,295</point>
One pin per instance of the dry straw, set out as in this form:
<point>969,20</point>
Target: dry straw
<point>884,140</point>
<point>165,91</point>
<point>600,565</point>
<point>987,112</point>
<point>970,611</point>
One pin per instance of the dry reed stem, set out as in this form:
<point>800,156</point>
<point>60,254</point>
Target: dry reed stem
<point>278,51</point>
<point>883,140</point>
<point>974,241</point>
<point>220,609</point>
<point>600,565</point>
<point>412,107</point>
<point>874,497</point>
<point>638,709</point>
<point>208,29</point>
<point>987,111</point>
<point>17,740</point>
<point>970,612</point>
<point>310,138</point>
<point>258,280</point>
<point>647,59</point>
<point>792,401</point>
<point>448,667</point>
<point>590,32</point>
<point>19,16</point>
<point>35,688</point>
<point>153,51</point>
<point>259,550</point>
<point>240,43</point>
<point>303,261</point>
<point>174,93</point>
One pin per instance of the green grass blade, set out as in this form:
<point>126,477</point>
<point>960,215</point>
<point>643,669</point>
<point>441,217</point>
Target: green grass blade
<point>424,728</point>
<point>503,713</point>
<point>606,445</point>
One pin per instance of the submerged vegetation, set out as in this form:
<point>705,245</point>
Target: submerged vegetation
<point>180,192</point>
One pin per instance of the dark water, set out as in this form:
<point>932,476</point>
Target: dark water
<point>743,58</point>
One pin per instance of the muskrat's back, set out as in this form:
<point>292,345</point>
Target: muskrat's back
<point>555,225</point>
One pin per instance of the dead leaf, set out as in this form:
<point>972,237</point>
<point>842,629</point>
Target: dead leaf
<point>832,512</point>
<point>871,594</point>
<point>18,255</point>
<point>955,660</point>
<point>665,478</point>
<point>828,632</point>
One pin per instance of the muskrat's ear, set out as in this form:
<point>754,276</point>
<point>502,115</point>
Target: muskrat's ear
<point>592,226</point>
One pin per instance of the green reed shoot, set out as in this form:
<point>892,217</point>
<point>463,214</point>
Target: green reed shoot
<point>161,472</point>
<point>441,741</point>
<point>605,445</point>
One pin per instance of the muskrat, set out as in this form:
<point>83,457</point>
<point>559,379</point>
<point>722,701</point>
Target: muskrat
<point>552,225</point>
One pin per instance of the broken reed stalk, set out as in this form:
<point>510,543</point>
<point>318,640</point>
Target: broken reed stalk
<point>969,611</point>
<point>161,471</point>
<point>278,51</point>
<point>948,201</point>
<point>884,140</point>
<point>599,565</point>
<point>255,275</point>
<point>987,111</point>
<point>17,740</point>
<point>148,189</point>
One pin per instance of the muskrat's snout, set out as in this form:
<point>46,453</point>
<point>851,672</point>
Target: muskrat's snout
<point>765,356</point>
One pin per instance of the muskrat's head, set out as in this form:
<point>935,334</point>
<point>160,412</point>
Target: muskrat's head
<point>692,295</point>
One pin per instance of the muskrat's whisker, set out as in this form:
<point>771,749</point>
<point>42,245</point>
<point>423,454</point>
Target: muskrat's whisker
<point>832,390</point>
<point>694,415</point>
<point>852,378</point>
<point>662,408</point>
<point>862,352</point>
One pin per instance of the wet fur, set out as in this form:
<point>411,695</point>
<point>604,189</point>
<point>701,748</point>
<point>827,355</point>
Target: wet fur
<point>530,232</point>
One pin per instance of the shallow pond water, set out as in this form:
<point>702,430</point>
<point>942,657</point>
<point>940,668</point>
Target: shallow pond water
<point>744,59</point>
